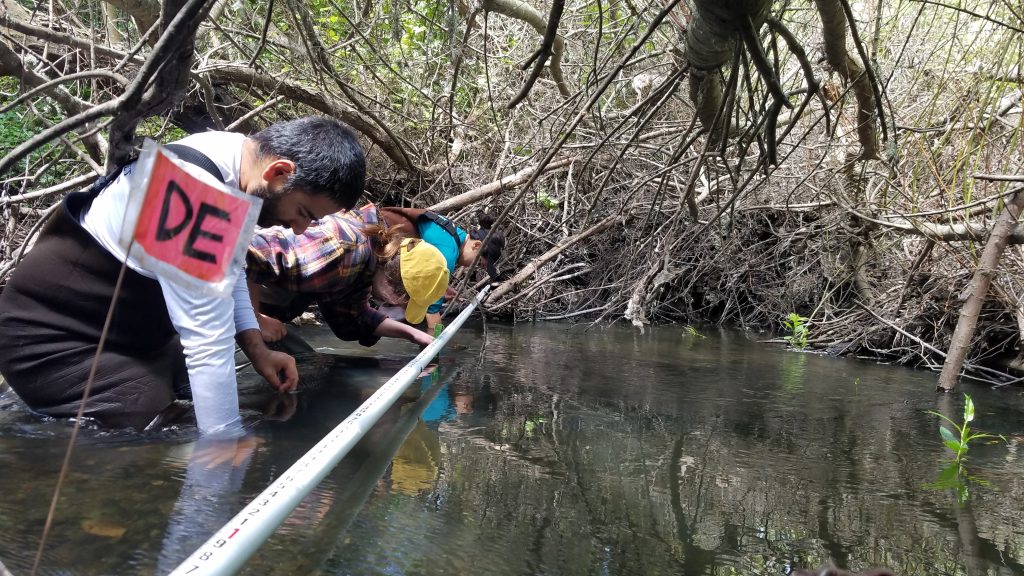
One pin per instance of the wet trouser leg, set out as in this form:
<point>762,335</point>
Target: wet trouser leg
<point>129,389</point>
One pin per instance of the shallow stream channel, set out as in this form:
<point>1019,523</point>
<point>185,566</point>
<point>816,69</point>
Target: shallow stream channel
<point>552,449</point>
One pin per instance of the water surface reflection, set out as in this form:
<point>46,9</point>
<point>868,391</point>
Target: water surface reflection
<point>558,451</point>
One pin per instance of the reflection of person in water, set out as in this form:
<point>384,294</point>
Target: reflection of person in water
<point>209,494</point>
<point>417,463</point>
<point>214,474</point>
<point>208,497</point>
<point>459,398</point>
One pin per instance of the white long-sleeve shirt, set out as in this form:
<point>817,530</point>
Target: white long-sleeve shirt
<point>207,324</point>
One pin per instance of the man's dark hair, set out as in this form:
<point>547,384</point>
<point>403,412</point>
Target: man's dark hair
<point>328,158</point>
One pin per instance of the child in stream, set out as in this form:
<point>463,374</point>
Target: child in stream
<point>335,264</point>
<point>459,247</point>
<point>364,227</point>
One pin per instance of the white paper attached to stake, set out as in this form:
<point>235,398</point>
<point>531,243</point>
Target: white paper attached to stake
<point>189,230</point>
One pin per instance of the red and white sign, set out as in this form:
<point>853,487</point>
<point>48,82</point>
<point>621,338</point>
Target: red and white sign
<point>192,230</point>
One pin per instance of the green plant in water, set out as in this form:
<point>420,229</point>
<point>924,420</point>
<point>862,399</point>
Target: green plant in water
<point>798,331</point>
<point>692,332</point>
<point>954,475</point>
<point>960,445</point>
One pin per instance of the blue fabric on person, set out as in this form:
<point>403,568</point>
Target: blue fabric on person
<point>435,235</point>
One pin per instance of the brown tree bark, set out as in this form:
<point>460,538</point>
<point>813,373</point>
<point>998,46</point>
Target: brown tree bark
<point>710,42</point>
<point>834,29</point>
<point>988,266</point>
<point>163,85</point>
<point>144,12</point>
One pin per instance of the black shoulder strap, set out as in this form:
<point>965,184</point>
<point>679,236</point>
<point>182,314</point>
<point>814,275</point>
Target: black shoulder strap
<point>186,153</point>
<point>443,223</point>
<point>193,156</point>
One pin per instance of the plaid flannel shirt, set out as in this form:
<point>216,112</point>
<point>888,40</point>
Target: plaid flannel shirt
<point>332,262</point>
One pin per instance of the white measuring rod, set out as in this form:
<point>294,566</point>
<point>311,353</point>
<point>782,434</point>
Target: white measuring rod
<point>236,541</point>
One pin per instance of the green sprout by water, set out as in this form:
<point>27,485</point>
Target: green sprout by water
<point>954,475</point>
<point>798,331</point>
<point>960,445</point>
<point>692,332</point>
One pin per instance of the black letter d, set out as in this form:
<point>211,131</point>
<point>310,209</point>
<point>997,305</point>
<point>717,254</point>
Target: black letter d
<point>163,233</point>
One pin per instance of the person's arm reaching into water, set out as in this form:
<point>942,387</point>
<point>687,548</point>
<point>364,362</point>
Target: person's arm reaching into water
<point>271,329</point>
<point>206,326</point>
<point>393,329</point>
<point>277,368</point>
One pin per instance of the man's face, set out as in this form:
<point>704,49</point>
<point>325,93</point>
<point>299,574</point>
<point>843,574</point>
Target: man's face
<point>294,209</point>
<point>291,207</point>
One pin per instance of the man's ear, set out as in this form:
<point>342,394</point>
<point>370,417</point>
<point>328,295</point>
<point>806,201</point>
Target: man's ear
<point>476,244</point>
<point>278,171</point>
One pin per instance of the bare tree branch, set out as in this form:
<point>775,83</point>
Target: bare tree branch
<point>520,10</point>
<point>535,264</point>
<point>244,76</point>
<point>543,53</point>
<point>487,190</point>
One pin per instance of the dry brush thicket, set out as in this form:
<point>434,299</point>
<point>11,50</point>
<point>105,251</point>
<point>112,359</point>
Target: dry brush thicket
<point>696,161</point>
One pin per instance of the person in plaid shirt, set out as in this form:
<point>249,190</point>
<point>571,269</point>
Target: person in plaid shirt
<point>334,264</point>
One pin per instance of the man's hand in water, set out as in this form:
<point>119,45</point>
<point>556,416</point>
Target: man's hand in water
<point>271,329</point>
<point>213,453</point>
<point>277,368</point>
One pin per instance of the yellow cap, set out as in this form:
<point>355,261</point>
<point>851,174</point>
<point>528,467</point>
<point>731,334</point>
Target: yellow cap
<point>425,276</point>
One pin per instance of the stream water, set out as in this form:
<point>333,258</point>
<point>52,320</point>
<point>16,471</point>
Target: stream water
<point>558,450</point>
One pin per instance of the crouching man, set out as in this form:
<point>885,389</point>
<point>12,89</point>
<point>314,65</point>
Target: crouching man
<point>163,337</point>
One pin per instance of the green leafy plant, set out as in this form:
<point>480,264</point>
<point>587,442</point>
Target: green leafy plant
<point>547,202</point>
<point>692,332</point>
<point>954,474</point>
<point>960,445</point>
<point>798,331</point>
